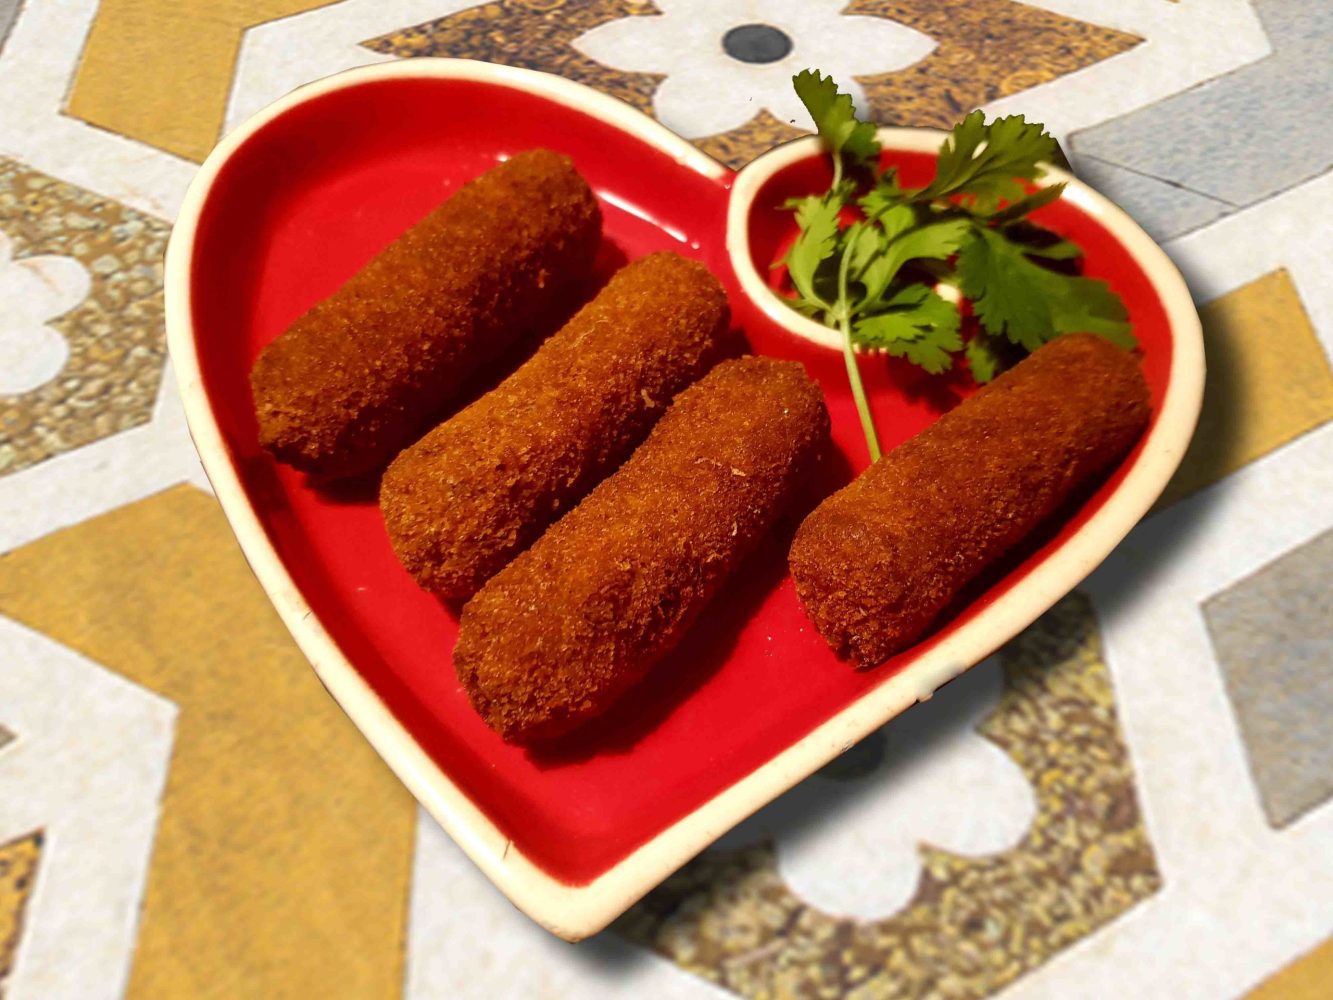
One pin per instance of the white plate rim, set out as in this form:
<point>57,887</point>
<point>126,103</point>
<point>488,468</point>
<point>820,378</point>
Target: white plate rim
<point>576,911</point>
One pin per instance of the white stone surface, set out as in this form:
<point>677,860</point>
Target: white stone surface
<point>466,942</point>
<point>34,291</point>
<point>87,765</point>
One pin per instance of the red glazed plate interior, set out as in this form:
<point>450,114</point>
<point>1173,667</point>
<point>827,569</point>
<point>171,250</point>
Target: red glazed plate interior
<point>319,190</point>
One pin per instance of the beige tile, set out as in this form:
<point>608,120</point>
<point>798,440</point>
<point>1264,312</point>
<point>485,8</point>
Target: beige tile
<point>1268,382</point>
<point>283,852</point>
<point>159,71</point>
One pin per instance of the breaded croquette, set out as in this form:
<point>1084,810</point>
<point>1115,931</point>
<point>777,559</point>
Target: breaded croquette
<point>355,379</point>
<point>876,563</point>
<point>558,635</point>
<point>479,488</point>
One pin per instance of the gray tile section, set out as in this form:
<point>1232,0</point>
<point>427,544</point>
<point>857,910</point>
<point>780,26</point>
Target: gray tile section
<point>9,12</point>
<point>1237,139</point>
<point>1273,636</point>
<point>1161,208</point>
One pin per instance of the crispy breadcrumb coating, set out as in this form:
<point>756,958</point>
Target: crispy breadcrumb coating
<point>876,562</point>
<point>356,378</point>
<point>558,635</point>
<point>479,488</point>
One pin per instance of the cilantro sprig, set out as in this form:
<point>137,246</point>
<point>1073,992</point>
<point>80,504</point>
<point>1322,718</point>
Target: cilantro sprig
<point>871,256</point>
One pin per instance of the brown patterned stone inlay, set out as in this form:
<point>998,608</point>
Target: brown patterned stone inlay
<point>18,868</point>
<point>116,339</point>
<point>987,49</point>
<point>976,924</point>
<point>533,34</point>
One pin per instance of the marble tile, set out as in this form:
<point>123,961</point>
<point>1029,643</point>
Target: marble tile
<point>467,942</point>
<point>848,840</point>
<point>1307,978</point>
<point>159,71</point>
<point>973,61</point>
<point>88,771</point>
<point>974,924</point>
<point>1272,633</point>
<point>19,860</point>
<point>114,341</point>
<point>1269,382</point>
<point>1238,139</point>
<point>9,12</point>
<point>1164,209</point>
<point>283,851</point>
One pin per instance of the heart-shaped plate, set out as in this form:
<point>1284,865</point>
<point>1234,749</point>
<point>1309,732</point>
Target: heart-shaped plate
<point>305,192</point>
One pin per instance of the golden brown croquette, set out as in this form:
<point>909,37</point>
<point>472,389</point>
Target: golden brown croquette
<point>559,634</point>
<point>876,562</point>
<point>355,379</point>
<point>479,488</point>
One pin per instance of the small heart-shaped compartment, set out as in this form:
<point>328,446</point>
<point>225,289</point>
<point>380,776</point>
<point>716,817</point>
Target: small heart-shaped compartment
<point>306,192</point>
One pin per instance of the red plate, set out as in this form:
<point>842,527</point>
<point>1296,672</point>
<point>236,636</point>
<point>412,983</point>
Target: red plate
<point>306,192</point>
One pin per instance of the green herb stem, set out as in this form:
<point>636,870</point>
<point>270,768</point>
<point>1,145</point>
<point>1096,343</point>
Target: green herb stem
<point>971,225</point>
<point>843,312</point>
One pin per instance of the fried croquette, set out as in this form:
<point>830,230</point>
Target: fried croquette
<point>559,634</point>
<point>876,563</point>
<point>356,378</point>
<point>479,488</point>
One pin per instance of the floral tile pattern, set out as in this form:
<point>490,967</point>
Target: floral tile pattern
<point>113,338</point>
<point>988,49</point>
<point>739,69</point>
<point>848,840</point>
<point>974,924</point>
<point>533,34</point>
<point>941,60</point>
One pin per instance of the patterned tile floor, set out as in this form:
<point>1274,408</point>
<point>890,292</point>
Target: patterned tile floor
<point>1133,799</point>
<point>1196,176</point>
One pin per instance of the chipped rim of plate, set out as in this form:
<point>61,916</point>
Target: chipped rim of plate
<point>574,912</point>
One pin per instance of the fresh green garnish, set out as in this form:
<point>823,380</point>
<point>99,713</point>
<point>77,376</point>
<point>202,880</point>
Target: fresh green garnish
<point>967,228</point>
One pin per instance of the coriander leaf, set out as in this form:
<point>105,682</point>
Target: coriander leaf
<point>896,220</point>
<point>1089,306</point>
<point>863,242</point>
<point>817,218</point>
<point>956,163</point>
<point>928,354</point>
<point>1029,304</point>
<point>1060,250</point>
<point>1039,198</point>
<point>933,242</point>
<point>920,326</point>
<point>986,175</point>
<point>886,194</point>
<point>1038,241</point>
<point>982,357</point>
<point>836,121</point>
